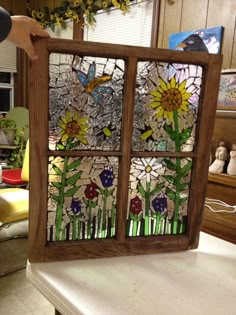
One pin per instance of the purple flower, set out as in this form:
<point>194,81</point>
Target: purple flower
<point>159,204</point>
<point>135,205</point>
<point>107,177</point>
<point>75,206</point>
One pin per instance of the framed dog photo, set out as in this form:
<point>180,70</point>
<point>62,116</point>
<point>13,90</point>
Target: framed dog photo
<point>227,90</point>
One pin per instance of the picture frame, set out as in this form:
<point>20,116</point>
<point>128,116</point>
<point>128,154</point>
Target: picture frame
<point>227,90</point>
<point>205,40</point>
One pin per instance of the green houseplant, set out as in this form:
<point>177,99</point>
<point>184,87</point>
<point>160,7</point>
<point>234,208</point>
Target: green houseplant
<point>12,136</point>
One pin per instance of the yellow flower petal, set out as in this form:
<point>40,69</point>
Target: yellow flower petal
<point>62,125</point>
<point>68,117</point>
<point>182,85</point>
<point>156,94</point>
<point>170,116</point>
<point>154,104</point>
<point>163,85</point>
<point>172,82</point>
<point>75,116</point>
<point>186,95</point>
<point>64,138</point>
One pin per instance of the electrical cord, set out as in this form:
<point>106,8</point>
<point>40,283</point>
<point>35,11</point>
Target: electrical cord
<point>209,201</point>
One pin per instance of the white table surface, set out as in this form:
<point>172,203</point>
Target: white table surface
<point>201,282</point>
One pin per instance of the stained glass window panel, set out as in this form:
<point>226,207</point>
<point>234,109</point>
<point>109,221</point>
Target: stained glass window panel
<point>166,106</point>
<point>158,196</point>
<point>82,193</point>
<point>85,102</point>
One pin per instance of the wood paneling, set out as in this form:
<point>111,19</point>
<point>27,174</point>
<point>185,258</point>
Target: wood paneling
<point>19,7</point>
<point>219,14</point>
<point>194,14</point>
<point>186,15</point>
<point>172,20</point>
<point>6,4</point>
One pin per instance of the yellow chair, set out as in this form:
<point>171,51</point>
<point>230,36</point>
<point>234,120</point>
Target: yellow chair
<point>14,209</point>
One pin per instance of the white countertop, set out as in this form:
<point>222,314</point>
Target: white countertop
<point>197,282</point>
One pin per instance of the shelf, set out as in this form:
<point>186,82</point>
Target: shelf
<point>223,179</point>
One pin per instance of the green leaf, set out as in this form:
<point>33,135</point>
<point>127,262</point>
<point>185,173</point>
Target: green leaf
<point>86,202</point>
<point>185,170</point>
<point>73,179</point>
<point>170,165</point>
<point>71,191</point>
<point>60,146</point>
<point>157,189</point>
<point>52,27</point>
<point>101,190</point>
<point>57,185</point>
<point>135,217</point>
<point>184,186</point>
<point>57,170</point>
<point>185,135</point>
<point>170,131</point>
<point>110,192</point>
<point>170,179</point>
<point>73,165</point>
<point>93,204</point>
<point>56,198</point>
<point>171,194</point>
<point>141,189</point>
<point>74,144</point>
<point>182,200</point>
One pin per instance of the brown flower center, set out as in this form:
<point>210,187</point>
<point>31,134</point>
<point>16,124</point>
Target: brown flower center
<point>171,100</point>
<point>72,129</point>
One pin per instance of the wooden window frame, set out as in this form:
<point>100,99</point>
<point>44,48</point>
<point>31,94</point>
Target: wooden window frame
<point>39,248</point>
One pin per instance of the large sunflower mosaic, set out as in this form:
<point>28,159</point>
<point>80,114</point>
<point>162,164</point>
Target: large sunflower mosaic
<point>170,97</point>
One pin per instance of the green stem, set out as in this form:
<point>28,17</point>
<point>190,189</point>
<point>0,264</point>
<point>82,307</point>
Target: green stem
<point>99,222</point>
<point>89,221</point>
<point>135,228</point>
<point>104,213</point>
<point>177,137</point>
<point>60,204</point>
<point>157,223</point>
<point>147,208</point>
<point>178,177</point>
<point>74,227</point>
<point>113,218</point>
<point>79,229</point>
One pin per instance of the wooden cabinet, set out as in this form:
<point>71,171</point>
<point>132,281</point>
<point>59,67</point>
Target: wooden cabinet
<point>222,186</point>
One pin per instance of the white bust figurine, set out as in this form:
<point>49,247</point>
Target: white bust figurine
<point>220,157</point>
<point>231,169</point>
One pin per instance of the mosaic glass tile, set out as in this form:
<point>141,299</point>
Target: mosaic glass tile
<point>91,90</point>
<point>167,98</point>
<point>82,193</point>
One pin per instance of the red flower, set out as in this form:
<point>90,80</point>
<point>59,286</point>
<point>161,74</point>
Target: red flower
<point>135,205</point>
<point>91,191</point>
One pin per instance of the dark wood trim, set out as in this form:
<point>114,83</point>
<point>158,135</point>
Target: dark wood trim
<point>155,23</point>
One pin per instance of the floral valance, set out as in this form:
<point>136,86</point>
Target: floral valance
<point>80,11</point>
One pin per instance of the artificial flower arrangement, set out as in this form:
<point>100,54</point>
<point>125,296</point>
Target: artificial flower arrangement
<point>75,9</point>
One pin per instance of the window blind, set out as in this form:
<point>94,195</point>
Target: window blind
<point>132,28</point>
<point>7,57</point>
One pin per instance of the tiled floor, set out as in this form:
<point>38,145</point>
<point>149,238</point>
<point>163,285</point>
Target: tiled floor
<point>17,295</point>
